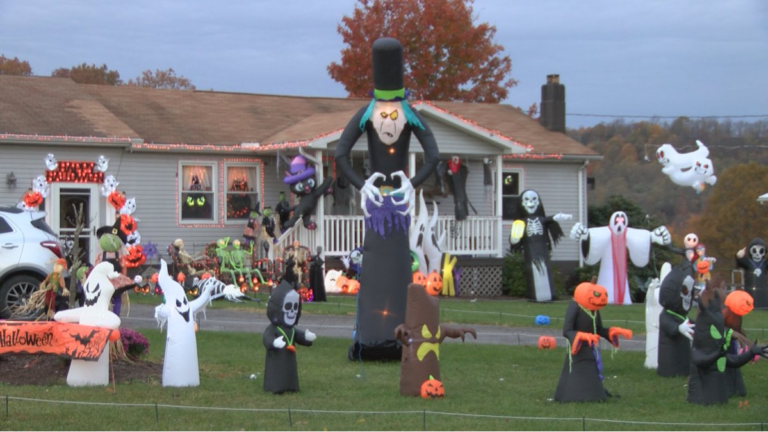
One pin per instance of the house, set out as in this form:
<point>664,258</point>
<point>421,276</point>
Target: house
<point>197,160</point>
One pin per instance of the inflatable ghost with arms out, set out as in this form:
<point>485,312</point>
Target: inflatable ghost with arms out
<point>609,246</point>
<point>652,311</point>
<point>98,290</point>
<point>180,363</point>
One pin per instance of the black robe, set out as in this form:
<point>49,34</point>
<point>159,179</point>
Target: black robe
<point>536,249</point>
<point>317,279</point>
<point>580,380</point>
<point>734,382</point>
<point>756,286</point>
<point>281,372</point>
<point>674,349</point>
<point>387,273</point>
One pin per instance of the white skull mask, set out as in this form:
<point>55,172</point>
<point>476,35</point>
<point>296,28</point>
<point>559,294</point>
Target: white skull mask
<point>687,292</point>
<point>757,252</point>
<point>290,308</point>
<point>388,120</point>
<point>691,241</point>
<point>530,201</point>
<point>619,222</point>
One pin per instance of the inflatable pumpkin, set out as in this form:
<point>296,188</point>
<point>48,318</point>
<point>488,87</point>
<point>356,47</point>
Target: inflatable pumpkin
<point>116,199</point>
<point>547,342</point>
<point>420,278</point>
<point>127,224</point>
<point>739,302</point>
<point>591,296</point>
<point>434,283</point>
<point>702,267</point>
<point>32,199</point>
<point>432,388</point>
<point>134,256</point>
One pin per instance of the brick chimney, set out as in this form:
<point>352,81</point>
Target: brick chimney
<point>553,104</point>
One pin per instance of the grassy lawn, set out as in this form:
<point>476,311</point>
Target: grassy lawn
<point>479,379</point>
<point>505,312</point>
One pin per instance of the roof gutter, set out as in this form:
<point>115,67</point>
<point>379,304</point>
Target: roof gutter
<point>77,141</point>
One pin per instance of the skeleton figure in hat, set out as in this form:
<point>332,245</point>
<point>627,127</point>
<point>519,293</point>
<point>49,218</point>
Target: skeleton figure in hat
<point>387,197</point>
<point>754,262</point>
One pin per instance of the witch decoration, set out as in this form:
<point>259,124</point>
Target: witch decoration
<point>422,334</point>
<point>675,329</point>
<point>386,199</point>
<point>753,261</point>
<point>582,377</point>
<point>301,179</point>
<point>281,337</point>
<point>609,246</point>
<point>535,235</point>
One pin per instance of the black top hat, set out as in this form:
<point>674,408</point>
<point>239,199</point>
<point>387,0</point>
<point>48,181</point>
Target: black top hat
<point>114,229</point>
<point>388,70</point>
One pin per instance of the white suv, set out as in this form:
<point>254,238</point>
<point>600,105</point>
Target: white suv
<point>28,249</point>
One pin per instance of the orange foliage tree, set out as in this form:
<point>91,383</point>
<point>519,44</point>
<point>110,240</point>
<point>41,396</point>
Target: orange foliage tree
<point>162,79</point>
<point>447,55</point>
<point>89,74</point>
<point>14,66</point>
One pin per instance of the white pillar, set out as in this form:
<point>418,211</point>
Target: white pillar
<point>411,174</point>
<point>499,208</point>
<point>320,231</point>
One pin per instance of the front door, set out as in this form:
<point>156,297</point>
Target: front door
<point>66,199</point>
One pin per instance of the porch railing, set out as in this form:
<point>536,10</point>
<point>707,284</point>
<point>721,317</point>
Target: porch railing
<point>477,235</point>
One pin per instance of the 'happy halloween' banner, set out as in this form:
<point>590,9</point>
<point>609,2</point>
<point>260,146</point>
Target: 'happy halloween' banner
<point>44,337</point>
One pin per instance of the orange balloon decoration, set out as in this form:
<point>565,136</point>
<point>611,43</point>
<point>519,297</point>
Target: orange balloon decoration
<point>590,295</point>
<point>434,284</point>
<point>547,342</point>
<point>116,199</point>
<point>739,302</point>
<point>419,278</point>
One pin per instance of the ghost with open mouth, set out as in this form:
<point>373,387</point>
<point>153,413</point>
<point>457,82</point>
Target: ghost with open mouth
<point>180,365</point>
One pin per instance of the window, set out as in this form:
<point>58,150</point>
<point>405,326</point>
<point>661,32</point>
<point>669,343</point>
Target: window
<point>241,181</point>
<point>510,193</point>
<point>4,226</point>
<point>197,192</point>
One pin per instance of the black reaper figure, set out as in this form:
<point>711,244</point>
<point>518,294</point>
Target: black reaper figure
<point>675,330</point>
<point>535,235</point>
<point>707,380</point>
<point>317,276</point>
<point>753,260</point>
<point>280,338</point>
<point>386,199</point>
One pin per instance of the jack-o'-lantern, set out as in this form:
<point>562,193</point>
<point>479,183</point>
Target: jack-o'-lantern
<point>547,342</point>
<point>180,278</point>
<point>134,256</point>
<point>432,388</point>
<point>116,199</point>
<point>347,285</point>
<point>702,267</point>
<point>739,302</point>
<point>434,284</point>
<point>32,199</point>
<point>420,278</point>
<point>127,224</point>
<point>591,296</point>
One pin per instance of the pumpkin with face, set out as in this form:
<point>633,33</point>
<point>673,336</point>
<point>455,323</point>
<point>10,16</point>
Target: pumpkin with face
<point>434,284</point>
<point>591,296</point>
<point>547,342</point>
<point>134,256</point>
<point>432,389</point>
<point>420,278</point>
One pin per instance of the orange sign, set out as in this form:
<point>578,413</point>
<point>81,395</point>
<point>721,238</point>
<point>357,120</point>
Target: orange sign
<point>47,337</point>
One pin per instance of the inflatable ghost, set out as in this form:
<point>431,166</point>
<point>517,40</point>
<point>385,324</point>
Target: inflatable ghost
<point>98,289</point>
<point>330,281</point>
<point>180,363</point>
<point>609,246</point>
<point>652,311</point>
<point>41,186</point>
<point>672,160</point>
<point>692,169</point>
<point>129,207</point>
<point>424,241</point>
<point>109,186</point>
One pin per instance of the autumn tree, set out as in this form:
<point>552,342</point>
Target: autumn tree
<point>447,55</point>
<point>161,79</point>
<point>14,66</point>
<point>89,74</point>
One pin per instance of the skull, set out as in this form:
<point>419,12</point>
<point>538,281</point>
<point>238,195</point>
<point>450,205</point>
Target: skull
<point>618,222</point>
<point>757,252</point>
<point>290,308</point>
<point>530,201</point>
<point>691,241</point>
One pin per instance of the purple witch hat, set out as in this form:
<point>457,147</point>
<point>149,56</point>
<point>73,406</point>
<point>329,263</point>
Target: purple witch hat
<point>299,170</point>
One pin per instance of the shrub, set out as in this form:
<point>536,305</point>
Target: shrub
<point>134,343</point>
<point>513,281</point>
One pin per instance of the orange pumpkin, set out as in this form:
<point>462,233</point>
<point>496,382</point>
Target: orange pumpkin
<point>547,342</point>
<point>32,199</point>
<point>591,296</point>
<point>739,302</point>
<point>116,199</point>
<point>347,285</point>
<point>153,278</point>
<point>134,256</point>
<point>127,224</point>
<point>180,278</point>
<point>432,388</point>
<point>419,278</point>
<point>434,284</point>
<point>702,267</point>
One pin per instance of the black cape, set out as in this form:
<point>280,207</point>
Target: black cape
<point>536,248</point>
<point>317,279</point>
<point>674,349</point>
<point>580,380</point>
<point>756,286</point>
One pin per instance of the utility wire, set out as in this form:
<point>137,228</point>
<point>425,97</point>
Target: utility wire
<point>667,117</point>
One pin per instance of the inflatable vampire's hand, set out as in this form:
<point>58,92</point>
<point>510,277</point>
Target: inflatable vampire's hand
<point>279,343</point>
<point>562,217</point>
<point>310,336</point>
<point>579,232</point>
<point>686,329</point>
<point>661,236</point>
<point>371,192</point>
<point>406,188</point>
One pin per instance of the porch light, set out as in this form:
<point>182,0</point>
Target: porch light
<point>10,180</point>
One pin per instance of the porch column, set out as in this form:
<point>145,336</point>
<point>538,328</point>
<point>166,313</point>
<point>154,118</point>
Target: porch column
<point>499,208</point>
<point>320,231</point>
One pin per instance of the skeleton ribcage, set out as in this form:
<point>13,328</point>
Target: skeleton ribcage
<point>533,227</point>
<point>215,286</point>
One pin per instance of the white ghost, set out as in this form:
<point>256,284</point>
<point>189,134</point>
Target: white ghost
<point>133,238</point>
<point>330,281</point>
<point>652,311</point>
<point>672,160</point>
<point>129,207</point>
<point>98,290</point>
<point>420,235</point>
<point>102,163</point>
<point>50,162</point>
<point>698,176</point>
<point>433,248</point>
<point>109,186</point>
<point>41,186</point>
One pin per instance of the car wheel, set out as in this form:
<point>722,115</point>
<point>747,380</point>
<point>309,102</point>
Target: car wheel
<point>15,292</point>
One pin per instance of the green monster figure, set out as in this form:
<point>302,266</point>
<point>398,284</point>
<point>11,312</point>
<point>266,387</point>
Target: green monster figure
<point>237,259</point>
<point>225,258</point>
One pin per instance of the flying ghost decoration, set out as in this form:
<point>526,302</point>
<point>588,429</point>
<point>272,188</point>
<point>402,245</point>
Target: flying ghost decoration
<point>41,186</point>
<point>129,207</point>
<point>109,186</point>
<point>101,165</point>
<point>97,290</point>
<point>133,238</point>
<point>50,162</point>
<point>692,169</point>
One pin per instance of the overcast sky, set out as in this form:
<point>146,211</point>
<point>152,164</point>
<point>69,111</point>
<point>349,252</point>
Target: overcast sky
<point>634,57</point>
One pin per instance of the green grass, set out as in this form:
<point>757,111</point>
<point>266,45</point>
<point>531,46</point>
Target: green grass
<point>479,379</point>
<point>505,312</point>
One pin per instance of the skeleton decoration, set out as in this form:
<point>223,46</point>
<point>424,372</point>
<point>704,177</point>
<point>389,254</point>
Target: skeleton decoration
<point>101,165</point>
<point>652,311</point>
<point>98,289</point>
<point>692,169</point>
<point>180,364</point>
<point>752,259</point>
<point>675,329</point>
<point>535,235</point>
<point>609,246</point>
<point>690,241</point>
<point>50,162</point>
<point>280,338</point>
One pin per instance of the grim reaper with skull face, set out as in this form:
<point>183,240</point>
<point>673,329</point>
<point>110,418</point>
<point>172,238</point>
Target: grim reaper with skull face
<point>387,197</point>
<point>281,372</point>
<point>609,246</point>
<point>536,234</point>
<point>675,329</point>
<point>755,264</point>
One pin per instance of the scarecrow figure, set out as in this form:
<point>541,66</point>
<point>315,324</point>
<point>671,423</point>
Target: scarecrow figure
<point>387,197</point>
<point>52,290</point>
<point>753,261</point>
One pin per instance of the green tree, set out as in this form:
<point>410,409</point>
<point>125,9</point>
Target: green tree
<point>89,74</point>
<point>14,66</point>
<point>162,79</point>
<point>447,55</point>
